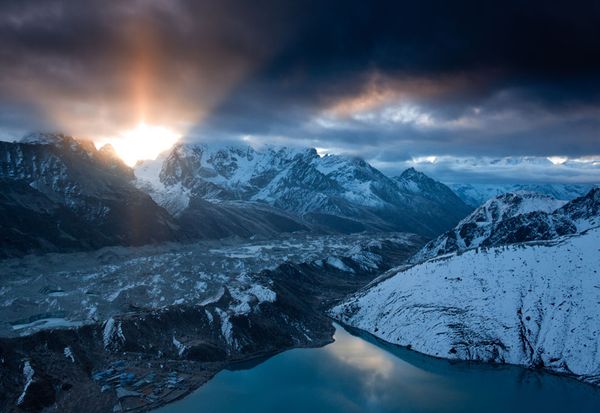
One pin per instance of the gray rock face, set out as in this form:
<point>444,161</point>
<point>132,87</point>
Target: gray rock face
<point>584,211</point>
<point>431,197</point>
<point>533,226</point>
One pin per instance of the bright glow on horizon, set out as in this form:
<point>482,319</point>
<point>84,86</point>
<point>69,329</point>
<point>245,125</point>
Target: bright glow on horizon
<point>424,159</point>
<point>557,160</point>
<point>142,143</point>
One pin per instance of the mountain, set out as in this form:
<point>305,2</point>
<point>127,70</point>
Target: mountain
<point>583,211</point>
<point>333,193</point>
<point>476,194</point>
<point>532,304</point>
<point>59,193</point>
<point>419,186</point>
<point>516,217</point>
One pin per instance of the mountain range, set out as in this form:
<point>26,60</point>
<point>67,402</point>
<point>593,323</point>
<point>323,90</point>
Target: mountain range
<point>476,194</point>
<point>335,193</point>
<point>512,281</point>
<point>62,194</point>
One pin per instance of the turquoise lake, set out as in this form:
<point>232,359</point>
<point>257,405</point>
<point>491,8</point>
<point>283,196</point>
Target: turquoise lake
<point>361,374</point>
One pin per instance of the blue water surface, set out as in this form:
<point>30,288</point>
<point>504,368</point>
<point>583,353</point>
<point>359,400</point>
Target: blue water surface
<point>361,374</point>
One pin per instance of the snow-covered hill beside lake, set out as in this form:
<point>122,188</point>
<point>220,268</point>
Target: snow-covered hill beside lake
<point>532,304</point>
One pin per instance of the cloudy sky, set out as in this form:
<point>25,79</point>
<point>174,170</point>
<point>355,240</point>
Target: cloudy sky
<point>469,91</point>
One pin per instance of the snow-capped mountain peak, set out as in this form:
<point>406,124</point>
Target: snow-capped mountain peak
<point>416,183</point>
<point>60,141</point>
<point>509,205</point>
<point>60,192</point>
<point>412,174</point>
<point>298,181</point>
<point>44,138</point>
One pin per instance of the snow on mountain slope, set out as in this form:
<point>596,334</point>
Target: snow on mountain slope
<point>209,189</point>
<point>213,172</point>
<point>583,211</point>
<point>476,228</point>
<point>516,217</point>
<point>174,198</point>
<point>511,204</point>
<point>532,304</point>
<point>415,182</point>
<point>244,173</point>
<point>335,192</point>
<point>418,185</point>
<point>476,194</point>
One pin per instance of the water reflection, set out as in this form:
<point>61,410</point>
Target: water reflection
<point>359,374</point>
<point>381,375</point>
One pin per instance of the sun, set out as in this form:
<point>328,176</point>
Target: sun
<point>143,142</point>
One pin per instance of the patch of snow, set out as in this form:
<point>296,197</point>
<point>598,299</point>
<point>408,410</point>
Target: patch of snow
<point>226,328</point>
<point>339,264</point>
<point>209,316</point>
<point>244,297</point>
<point>28,373</point>
<point>112,331</point>
<point>180,347</point>
<point>69,354</point>
<point>47,323</point>
<point>213,299</point>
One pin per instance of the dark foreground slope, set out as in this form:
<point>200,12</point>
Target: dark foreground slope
<point>60,194</point>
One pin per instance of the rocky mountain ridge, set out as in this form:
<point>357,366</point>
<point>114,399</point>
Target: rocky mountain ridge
<point>62,194</point>
<point>59,193</point>
<point>516,217</point>
<point>338,193</point>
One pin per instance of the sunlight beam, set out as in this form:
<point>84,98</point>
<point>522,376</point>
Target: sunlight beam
<point>142,143</point>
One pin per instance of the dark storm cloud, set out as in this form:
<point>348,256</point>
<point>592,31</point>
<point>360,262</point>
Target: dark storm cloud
<point>335,45</point>
<point>389,80</point>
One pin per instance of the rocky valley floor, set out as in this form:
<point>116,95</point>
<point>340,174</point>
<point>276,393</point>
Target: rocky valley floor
<point>129,329</point>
